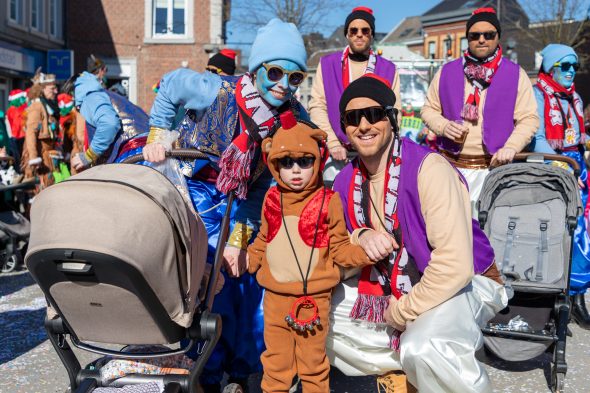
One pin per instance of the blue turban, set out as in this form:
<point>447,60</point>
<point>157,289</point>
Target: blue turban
<point>552,53</point>
<point>277,40</point>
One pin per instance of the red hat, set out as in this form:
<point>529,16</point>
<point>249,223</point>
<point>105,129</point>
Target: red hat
<point>364,13</point>
<point>16,94</point>
<point>229,53</point>
<point>65,100</point>
<point>224,60</point>
<point>485,14</point>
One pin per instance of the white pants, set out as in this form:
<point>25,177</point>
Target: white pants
<point>475,179</point>
<point>437,350</point>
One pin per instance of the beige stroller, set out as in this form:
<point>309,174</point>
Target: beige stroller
<point>121,263</point>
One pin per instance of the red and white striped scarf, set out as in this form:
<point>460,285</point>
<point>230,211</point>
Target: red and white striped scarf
<point>387,278</point>
<point>257,121</point>
<point>479,73</point>
<point>347,70</point>
<point>555,124</point>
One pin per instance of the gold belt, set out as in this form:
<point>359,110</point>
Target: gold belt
<point>468,161</point>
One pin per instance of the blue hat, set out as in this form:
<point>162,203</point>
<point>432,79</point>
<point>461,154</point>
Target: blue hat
<point>277,40</point>
<point>552,53</point>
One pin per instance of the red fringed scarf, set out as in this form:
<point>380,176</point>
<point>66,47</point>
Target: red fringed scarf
<point>346,71</point>
<point>257,120</point>
<point>556,127</point>
<point>379,282</point>
<point>479,73</point>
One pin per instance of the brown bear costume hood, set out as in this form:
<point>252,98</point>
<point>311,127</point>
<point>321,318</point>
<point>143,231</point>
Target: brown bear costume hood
<point>296,139</point>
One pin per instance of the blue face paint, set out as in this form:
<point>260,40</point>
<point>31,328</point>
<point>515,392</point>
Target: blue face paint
<point>284,90</point>
<point>565,78</point>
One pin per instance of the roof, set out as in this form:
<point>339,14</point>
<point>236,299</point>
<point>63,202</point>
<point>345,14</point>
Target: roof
<point>455,5</point>
<point>314,59</point>
<point>408,29</point>
<point>448,11</point>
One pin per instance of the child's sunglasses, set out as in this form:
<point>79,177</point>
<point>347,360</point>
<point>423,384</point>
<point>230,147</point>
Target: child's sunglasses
<point>373,114</point>
<point>302,162</point>
<point>565,66</point>
<point>275,73</point>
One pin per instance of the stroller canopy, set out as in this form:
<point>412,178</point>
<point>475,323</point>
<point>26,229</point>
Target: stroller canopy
<point>135,214</point>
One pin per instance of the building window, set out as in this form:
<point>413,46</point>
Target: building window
<point>55,17</point>
<point>37,15</point>
<point>169,21</point>
<point>464,44</point>
<point>169,17</point>
<point>16,11</point>
<point>309,81</point>
<point>431,49</point>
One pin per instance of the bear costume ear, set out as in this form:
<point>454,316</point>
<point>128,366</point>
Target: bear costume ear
<point>319,135</point>
<point>266,145</point>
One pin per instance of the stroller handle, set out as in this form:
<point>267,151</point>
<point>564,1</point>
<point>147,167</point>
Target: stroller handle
<point>174,153</point>
<point>550,157</point>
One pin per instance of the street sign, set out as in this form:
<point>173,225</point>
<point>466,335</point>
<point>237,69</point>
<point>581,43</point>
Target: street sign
<point>60,63</point>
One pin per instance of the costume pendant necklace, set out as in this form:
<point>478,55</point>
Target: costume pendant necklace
<point>305,301</point>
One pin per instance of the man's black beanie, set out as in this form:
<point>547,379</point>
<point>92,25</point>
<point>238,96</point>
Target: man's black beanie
<point>364,13</point>
<point>487,14</point>
<point>369,86</point>
<point>224,60</point>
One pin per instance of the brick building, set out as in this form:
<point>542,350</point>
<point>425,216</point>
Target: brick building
<point>140,40</point>
<point>443,29</point>
<point>28,30</point>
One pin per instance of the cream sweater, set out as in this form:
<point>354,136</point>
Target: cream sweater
<point>447,213</point>
<point>526,119</point>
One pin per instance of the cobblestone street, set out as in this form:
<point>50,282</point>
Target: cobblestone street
<point>29,364</point>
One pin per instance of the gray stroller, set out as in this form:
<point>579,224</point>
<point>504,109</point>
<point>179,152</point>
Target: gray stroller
<point>122,264</point>
<point>529,212</point>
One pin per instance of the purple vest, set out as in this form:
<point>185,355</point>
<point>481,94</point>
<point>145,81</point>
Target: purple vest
<point>410,213</point>
<point>498,111</point>
<point>332,77</point>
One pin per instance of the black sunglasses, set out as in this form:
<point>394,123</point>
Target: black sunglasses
<point>565,66</point>
<point>275,73</point>
<point>488,35</point>
<point>304,162</point>
<point>373,114</point>
<point>354,31</point>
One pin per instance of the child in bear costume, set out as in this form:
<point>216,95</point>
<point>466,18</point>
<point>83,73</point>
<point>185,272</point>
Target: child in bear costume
<point>302,239</point>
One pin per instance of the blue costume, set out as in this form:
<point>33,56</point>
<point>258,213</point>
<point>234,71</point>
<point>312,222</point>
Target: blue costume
<point>212,123</point>
<point>572,146</point>
<point>111,120</point>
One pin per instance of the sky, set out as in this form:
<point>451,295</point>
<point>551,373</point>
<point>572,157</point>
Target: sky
<point>388,13</point>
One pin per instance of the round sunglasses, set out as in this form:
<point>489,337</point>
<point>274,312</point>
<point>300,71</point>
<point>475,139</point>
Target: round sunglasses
<point>304,162</point>
<point>275,73</point>
<point>373,114</point>
<point>354,31</point>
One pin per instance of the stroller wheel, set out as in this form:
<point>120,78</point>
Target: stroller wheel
<point>233,388</point>
<point>557,382</point>
<point>10,263</point>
